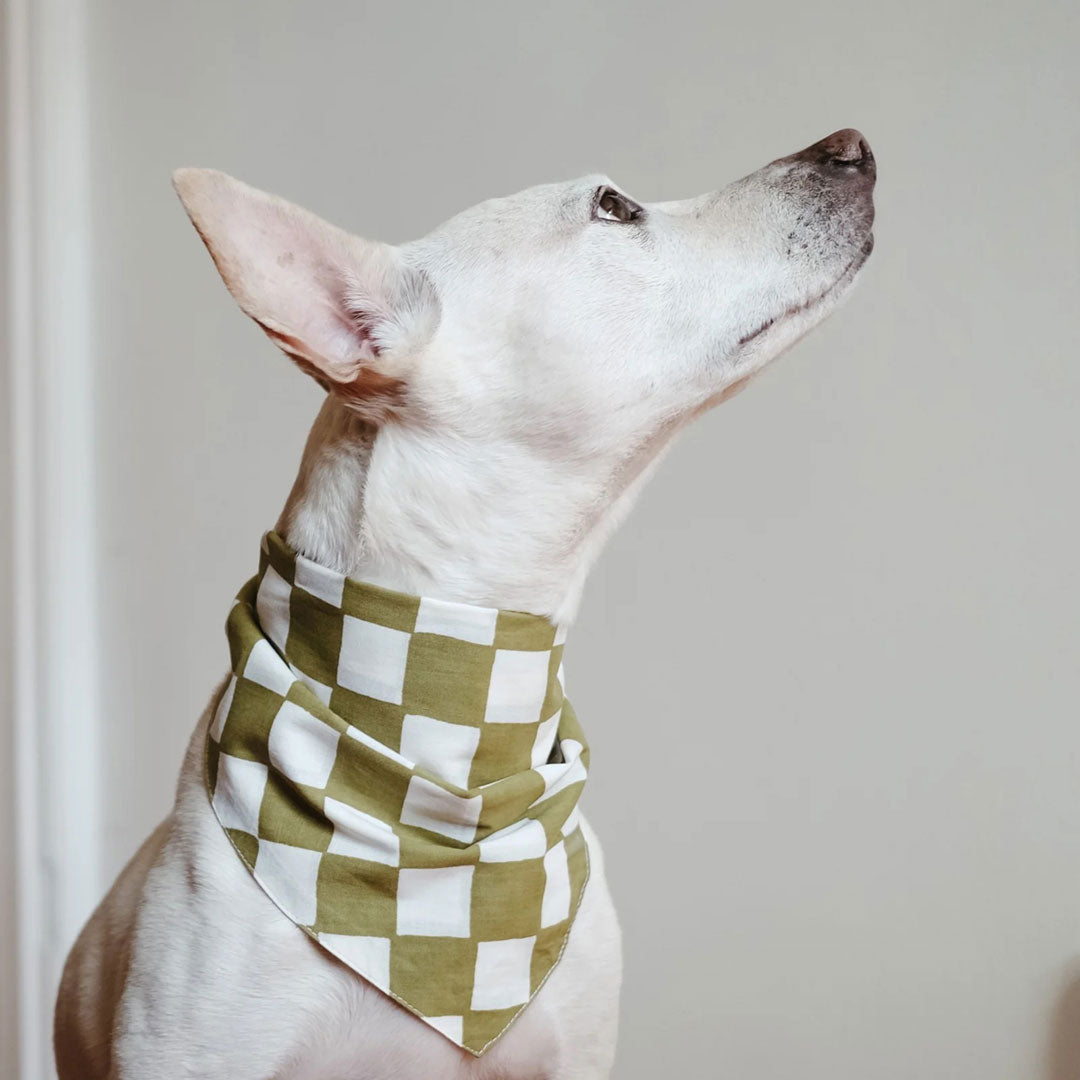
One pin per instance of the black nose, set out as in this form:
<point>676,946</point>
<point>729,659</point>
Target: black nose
<point>845,150</point>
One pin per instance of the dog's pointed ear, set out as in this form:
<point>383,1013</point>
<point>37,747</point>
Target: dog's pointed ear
<point>348,310</point>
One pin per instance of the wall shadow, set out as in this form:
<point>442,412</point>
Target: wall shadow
<point>1063,1054</point>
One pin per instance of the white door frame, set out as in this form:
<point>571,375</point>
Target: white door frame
<point>56,720</point>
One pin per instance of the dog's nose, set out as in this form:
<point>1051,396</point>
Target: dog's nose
<point>846,147</point>
<point>845,150</point>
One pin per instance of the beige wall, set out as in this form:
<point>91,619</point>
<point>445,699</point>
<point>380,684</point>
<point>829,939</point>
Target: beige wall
<point>8,964</point>
<point>8,961</point>
<point>829,667</point>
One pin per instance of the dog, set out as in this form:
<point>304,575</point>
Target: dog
<point>497,394</point>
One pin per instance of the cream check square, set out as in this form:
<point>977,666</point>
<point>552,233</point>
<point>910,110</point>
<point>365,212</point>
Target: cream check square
<point>380,748</point>
<point>461,621</point>
<point>301,746</point>
<point>560,776</point>
<point>323,693</point>
<point>272,607</point>
<point>518,687</point>
<point>523,840</point>
<point>360,835</point>
<point>294,872</point>
<point>238,793</point>
<point>443,749</point>
<point>373,659</point>
<point>545,739</point>
<point>320,582</point>
<point>435,902</point>
<point>451,1026</point>
<point>222,711</point>
<point>431,807</point>
<point>502,973</point>
<point>368,955</point>
<point>556,903</point>
<point>266,668</point>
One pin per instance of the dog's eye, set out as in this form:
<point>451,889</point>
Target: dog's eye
<point>612,205</point>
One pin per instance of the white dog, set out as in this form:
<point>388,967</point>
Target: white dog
<point>497,393</point>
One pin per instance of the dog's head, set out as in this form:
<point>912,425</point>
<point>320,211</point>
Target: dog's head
<point>544,346</point>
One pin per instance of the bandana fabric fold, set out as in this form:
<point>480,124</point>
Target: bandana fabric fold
<point>401,776</point>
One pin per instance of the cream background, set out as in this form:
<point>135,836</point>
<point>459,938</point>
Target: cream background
<point>8,950</point>
<point>829,668</point>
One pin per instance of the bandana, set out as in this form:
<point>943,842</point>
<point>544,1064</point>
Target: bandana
<point>401,777</point>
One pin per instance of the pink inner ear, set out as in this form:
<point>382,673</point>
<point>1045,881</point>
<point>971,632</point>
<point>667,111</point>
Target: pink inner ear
<point>326,370</point>
<point>304,281</point>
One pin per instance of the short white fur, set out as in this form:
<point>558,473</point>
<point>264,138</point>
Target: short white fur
<point>497,393</point>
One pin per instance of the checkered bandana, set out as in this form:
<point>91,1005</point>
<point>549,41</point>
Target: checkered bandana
<point>401,776</point>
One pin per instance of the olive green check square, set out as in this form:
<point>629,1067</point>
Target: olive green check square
<point>550,943</point>
<point>420,848</point>
<point>243,632</point>
<point>516,630</point>
<point>447,679</point>
<point>276,555</point>
<point>577,857</point>
<point>480,1028</point>
<point>314,637</point>
<point>367,780</point>
<point>342,879</point>
<point>553,700</point>
<point>247,727</point>
<point>291,814</point>
<point>506,899</point>
<point>210,765</point>
<point>382,719</point>
<point>504,750</point>
<point>381,606</point>
<point>434,974</point>
<point>247,846</point>
<point>557,809</point>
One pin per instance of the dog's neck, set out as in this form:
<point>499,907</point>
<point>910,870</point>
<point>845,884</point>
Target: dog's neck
<point>391,507</point>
